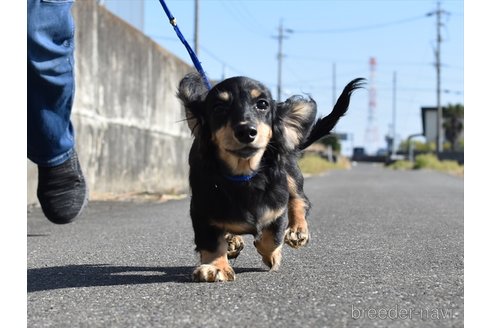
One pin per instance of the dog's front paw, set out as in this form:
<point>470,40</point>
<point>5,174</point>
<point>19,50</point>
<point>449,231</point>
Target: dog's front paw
<point>235,245</point>
<point>296,237</point>
<point>212,273</point>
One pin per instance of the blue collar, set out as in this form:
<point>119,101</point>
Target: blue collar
<point>240,178</point>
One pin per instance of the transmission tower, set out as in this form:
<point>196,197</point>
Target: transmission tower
<point>372,133</point>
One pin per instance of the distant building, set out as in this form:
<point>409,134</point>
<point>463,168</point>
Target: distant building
<point>429,123</point>
<point>358,154</point>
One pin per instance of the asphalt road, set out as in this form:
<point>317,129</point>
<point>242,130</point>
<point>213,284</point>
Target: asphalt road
<point>386,251</point>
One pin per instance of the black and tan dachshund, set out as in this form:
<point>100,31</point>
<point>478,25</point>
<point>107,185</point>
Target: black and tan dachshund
<point>244,175</point>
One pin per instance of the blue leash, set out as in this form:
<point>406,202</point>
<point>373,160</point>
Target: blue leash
<point>193,56</point>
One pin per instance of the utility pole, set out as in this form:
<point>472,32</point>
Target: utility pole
<point>142,16</point>
<point>393,144</point>
<point>439,137</point>
<point>438,72</point>
<point>281,36</point>
<point>197,14</point>
<point>224,71</point>
<point>372,133</point>
<point>280,58</point>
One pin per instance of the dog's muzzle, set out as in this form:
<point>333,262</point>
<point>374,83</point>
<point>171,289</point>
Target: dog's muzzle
<point>245,152</point>
<point>245,133</point>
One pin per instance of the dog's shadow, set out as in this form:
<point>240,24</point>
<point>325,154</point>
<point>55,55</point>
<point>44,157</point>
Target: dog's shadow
<point>97,275</point>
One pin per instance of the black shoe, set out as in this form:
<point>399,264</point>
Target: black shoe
<point>62,190</point>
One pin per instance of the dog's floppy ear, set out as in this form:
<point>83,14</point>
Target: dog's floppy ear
<point>295,119</point>
<point>192,92</point>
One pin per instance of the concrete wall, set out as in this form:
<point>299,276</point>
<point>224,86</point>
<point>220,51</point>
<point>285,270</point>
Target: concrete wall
<point>129,124</point>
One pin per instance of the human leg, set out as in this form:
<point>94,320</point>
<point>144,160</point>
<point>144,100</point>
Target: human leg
<point>50,81</point>
<point>62,190</point>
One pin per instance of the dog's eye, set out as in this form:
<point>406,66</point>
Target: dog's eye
<point>262,104</point>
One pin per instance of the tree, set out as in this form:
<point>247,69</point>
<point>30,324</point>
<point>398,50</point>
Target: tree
<point>331,140</point>
<point>453,117</point>
<point>424,147</point>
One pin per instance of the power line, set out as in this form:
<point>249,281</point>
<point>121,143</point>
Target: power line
<point>204,49</point>
<point>224,63</point>
<point>250,17</point>
<point>160,37</point>
<point>240,18</point>
<point>361,62</point>
<point>362,28</point>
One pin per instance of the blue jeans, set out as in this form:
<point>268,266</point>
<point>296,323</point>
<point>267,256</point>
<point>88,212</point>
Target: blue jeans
<point>50,81</point>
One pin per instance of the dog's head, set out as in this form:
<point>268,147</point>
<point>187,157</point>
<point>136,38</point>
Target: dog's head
<point>240,117</point>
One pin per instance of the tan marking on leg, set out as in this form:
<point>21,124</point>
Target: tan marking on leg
<point>291,183</point>
<point>296,206</point>
<point>270,252</point>
<point>297,233</point>
<point>297,212</point>
<point>270,215</point>
<point>215,266</point>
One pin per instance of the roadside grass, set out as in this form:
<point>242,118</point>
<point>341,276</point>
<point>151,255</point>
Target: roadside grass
<point>430,162</point>
<point>312,164</point>
<point>401,165</point>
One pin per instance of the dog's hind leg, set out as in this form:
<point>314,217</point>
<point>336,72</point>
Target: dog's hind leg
<point>269,243</point>
<point>297,233</point>
<point>235,245</point>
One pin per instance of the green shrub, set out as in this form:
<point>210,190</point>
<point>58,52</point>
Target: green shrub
<point>314,164</point>
<point>452,167</point>
<point>427,161</point>
<point>431,162</point>
<point>401,165</point>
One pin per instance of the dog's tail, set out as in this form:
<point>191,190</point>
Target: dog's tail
<point>324,125</point>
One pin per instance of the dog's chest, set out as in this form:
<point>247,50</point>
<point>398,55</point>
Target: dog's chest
<point>247,205</point>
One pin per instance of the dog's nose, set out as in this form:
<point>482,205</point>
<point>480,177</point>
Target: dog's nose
<point>245,133</point>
